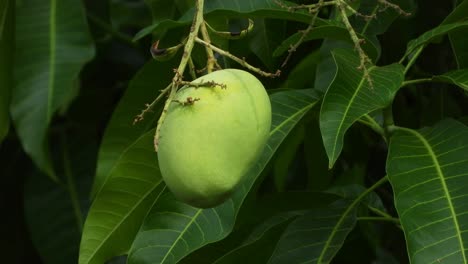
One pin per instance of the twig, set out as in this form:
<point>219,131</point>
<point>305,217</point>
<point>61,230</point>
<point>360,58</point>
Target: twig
<point>197,21</point>
<point>188,101</point>
<point>204,84</point>
<point>211,60</point>
<point>356,13</point>
<point>305,32</point>
<point>387,4</point>
<point>413,58</point>
<point>192,70</point>
<point>416,81</point>
<point>312,8</point>
<point>236,59</point>
<point>374,14</point>
<point>150,106</point>
<point>371,123</point>
<point>357,43</point>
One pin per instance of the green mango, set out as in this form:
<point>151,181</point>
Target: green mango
<point>213,135</point>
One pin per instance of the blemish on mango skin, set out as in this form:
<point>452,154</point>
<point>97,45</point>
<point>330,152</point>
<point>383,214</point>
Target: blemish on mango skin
<point>207,146</point>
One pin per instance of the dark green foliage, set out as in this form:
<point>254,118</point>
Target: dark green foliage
<point>367,160</point>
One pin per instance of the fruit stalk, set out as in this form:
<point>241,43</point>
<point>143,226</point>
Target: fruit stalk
<point>236,59</point>
<point>197,21</point>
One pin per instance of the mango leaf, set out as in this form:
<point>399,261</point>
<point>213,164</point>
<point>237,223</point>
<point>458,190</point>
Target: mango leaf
<point>258,247</point>
<point>233,8</point>
<point>173,229</point>
<point>428,170</point>
<point>266,35</point>
<point>120,133</point>
<point>350,96</point>
<point>434,34</point>
<point>55,212</point>
<point>124,200</point>
<point>330,32</point>
<point>457,77</point>
<point>316,236</point>
<point>6,63</point>
<point>52,45</point>
<point>382,22</point>
<point>372,200</point>
<point>255,218</point>
<point>161,9</point>
<point>123,151</point>
<point>459,38</point>
<point>302,75</point>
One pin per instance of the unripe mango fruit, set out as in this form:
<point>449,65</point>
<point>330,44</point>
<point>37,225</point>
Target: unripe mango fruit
<point>212,136</point>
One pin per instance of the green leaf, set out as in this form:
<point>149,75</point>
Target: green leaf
<point>124,150</point>
<point>457,77</point>
<point>326,69</point>
<point>52,45</point>
<point>120,133</point>
<point>173,229</point>
<point>350,96</point>
<point>135,14</point>
<point>6,63</point>
<point>255,217</point>
<point>329,32</point>
<point>303,73</point>
<point>266,35</point>
<point>428,170</point>
<point>434,34</point>
<point>316,236</point>
<point>233,8</point>
<point>459,38</point>
<point>261,243</point>
<point>285,156</point>
<point>385,16</point>
<point>54,212</point>
<point>459,13</point>
<point>372,200</point>
<point>118,210</point>
<point>161,9</point>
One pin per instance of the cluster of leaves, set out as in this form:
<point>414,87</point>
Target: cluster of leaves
<point>63,69</point>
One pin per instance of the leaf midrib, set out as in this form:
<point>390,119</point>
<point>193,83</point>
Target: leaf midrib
<point>285,121</point>
<point>180,235</point>
<point>345,114</point>
<point>52,56</point>
<point>3,18</point>
<point>122,220</point>
<point>440,174</point>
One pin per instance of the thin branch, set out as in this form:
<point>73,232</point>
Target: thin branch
<point>371,123</point>
<point>203,84</point>
<point>413,58</point>
<point>357,43</point>
<point>374,14</point>
<point>378,211</point>
<point>150,106</point>
<point>238,60</point>
<point>416,81</point>
<point>387,4</point>
<point>388,121</point>
<point>192,71</point>
<point>211,60</point>
<point>312,8</point>
<point>197,21</point>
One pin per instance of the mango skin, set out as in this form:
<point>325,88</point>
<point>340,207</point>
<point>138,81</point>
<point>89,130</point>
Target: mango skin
<point>205,149</point>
